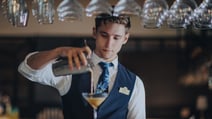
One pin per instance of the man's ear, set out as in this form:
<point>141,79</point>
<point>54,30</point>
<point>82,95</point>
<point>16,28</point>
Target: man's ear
<point>127,35</point>
<point>94,32</point>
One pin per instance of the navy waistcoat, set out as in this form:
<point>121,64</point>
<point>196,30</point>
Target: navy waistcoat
<point>115,105</point>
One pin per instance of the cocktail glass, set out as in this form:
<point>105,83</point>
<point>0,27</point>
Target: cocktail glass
<point>95,100</point>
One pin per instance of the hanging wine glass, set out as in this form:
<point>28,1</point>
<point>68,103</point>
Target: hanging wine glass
<point>4,8</point>
<point>21,17</point>
<point>96,7</point>
<point>17,12</point>
<point>203,15</point>
<point>70,10</point>
<point>35,8</point>
<point>180,14</point>
<point>191,3</point>
<point>43,11</point>
<point>127,7</point>
<point>154,13</point>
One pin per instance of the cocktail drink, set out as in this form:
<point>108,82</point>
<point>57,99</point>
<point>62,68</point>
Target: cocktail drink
<point>93,98</point>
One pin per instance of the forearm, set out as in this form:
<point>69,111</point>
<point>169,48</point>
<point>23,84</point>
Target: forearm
<point>74,54</point>
<point>43,75</point>
<point>38,60</point>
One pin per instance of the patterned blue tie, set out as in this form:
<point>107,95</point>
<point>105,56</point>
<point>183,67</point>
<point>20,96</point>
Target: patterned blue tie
<point>104,78</point>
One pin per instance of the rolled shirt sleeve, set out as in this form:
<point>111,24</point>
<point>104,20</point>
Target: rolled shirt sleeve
<point>45,76</point>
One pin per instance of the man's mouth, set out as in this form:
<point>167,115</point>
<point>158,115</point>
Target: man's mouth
<point>107,50</point>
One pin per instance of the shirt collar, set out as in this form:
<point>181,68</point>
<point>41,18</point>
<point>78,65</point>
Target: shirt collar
<point>96,59</point>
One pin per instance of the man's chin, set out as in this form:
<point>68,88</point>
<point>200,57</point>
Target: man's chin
<point>108,57</point>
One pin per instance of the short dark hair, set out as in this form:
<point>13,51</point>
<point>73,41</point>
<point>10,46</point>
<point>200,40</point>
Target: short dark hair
<point>106,18</point>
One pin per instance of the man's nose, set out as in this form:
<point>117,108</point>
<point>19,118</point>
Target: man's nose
<point>109,42</point>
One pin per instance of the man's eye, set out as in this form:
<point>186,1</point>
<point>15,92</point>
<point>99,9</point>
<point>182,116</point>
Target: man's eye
<point>104,35</point>
<point>117,38</point>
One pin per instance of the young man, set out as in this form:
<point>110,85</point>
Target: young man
<point>126,98</point>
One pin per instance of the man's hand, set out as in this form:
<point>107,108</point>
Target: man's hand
<point>76,56</point>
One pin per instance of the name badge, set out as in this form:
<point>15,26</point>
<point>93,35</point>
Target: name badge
<point>124,90</point>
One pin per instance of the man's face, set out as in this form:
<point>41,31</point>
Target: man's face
<point>109,39</point>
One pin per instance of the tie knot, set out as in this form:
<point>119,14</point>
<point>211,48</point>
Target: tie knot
<point>105,65</point>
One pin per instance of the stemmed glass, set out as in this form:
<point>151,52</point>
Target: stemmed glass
<point>202,15</point>
<point>70,10</point>
<point>127,7</point>
<point>96,7</point>
<point>16,12</point>
<point>4,8</point>
<point>180,14</point>
<point>34,5</point>
<point>95,99</point>
<point>43,11</point>
<point>154,13</point>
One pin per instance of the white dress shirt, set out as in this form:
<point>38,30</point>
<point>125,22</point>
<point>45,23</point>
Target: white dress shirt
<point>45,76</point>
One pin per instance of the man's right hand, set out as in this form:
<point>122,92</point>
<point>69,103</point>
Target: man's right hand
<point>76,56</point>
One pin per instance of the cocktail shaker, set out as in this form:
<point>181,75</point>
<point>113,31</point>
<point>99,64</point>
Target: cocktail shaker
<point>61,68</point>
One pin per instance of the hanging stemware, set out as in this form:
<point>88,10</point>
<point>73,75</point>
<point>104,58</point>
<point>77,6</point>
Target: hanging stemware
<point>127,7</point>
<point>16,12</point>
<point>96,7</point>
<point>4,8</point>
<point>70,10</point>
<point>154,13</point>
<point>203,15</point>
<point>43,11</point>
<point>180,14</point>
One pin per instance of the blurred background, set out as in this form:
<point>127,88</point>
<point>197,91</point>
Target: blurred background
<point>174,64</point>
